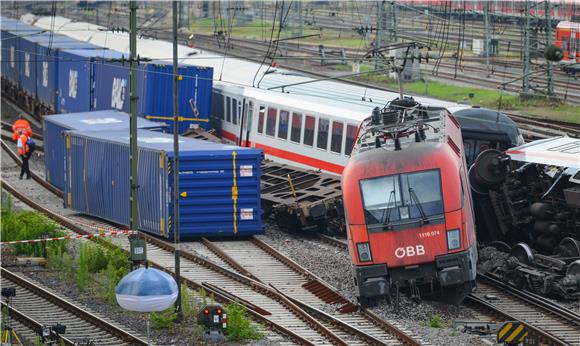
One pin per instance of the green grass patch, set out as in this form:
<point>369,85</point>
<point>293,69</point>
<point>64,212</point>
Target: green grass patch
<point>23,225</point>
<point>436,321</point>
<point>240,327</point>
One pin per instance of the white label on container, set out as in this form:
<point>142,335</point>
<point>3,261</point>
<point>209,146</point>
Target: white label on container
<point>101,121</point>
<point>45,74</point>
<point>73,76</point>
<point>118,93</point>
<point>246,171</point>
<point>247,213</point>
<point>27,64</point>
<point>157,140</point>
<point>138,251</point>
<point>12,58</point>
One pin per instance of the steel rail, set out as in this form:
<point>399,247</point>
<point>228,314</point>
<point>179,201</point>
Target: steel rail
<point>320,289</point>
<point>550,322</point>
<point>34,326</point>
<point>76,311</point>
<point>33,174</point>
<point>258,313</point>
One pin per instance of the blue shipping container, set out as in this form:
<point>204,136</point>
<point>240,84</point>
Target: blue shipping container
<point>219,184</point>
<point>30,58</point>
<point>12,32</point>
<point>47,68</point>
<point>155,83</point>
<point>76,77</point>
<point>55,126</point>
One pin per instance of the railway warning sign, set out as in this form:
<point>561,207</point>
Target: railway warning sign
<point>512,333</point>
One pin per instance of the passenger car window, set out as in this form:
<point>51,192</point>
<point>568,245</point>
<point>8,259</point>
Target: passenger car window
<point>234,111</point>
<point>271,121</point>
<point>261,119</point>
<point>218,107</point>
<point>322,141</point>
<point>228,109</point>
<point>336,140</point>
<point>309,130</point>
<point>283,124</point>
<point>351,131</point>
<point>296,127</point>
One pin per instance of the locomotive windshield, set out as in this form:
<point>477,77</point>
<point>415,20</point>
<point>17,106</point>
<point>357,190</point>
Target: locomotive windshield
<point>402,197</point>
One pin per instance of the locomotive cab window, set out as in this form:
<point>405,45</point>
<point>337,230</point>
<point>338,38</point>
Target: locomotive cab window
<point>283,124</point>
<point>322,139</point>
<point>261,115</point>
<point>271,121</point>
<point>401,198</point>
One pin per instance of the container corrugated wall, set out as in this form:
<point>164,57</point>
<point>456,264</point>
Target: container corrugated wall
<point>220,194</point>
<point>55,126</point>
<point>219,185</point>
<point>74,82</point>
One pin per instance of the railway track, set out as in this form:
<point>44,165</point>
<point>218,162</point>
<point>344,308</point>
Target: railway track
<point>549,322</point>
<point>267,305</point>
<point>261,262</point>
<point>34,303</point>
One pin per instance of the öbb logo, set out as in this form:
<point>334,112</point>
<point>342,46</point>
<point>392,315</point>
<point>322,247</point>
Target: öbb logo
<point>118,93</point>
<point>410,251</point>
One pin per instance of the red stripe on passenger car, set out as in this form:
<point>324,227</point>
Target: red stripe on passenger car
<point>288,155</point>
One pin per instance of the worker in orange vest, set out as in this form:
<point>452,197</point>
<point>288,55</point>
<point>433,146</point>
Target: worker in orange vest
<point>23,125</point>
<point>24,152</point>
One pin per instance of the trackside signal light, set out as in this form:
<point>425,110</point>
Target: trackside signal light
<point>206,312</point>
<point>364,252</point>
<point>453,239</point>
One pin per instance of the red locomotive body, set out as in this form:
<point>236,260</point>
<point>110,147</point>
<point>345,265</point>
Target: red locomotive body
<point>568,38</point>
<point>409,214</point>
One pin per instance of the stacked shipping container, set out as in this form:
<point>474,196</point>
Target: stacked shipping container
<point>71,76</point>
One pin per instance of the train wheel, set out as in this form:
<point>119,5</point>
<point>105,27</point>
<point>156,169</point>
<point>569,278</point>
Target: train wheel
<point>568,247</point>
<point>523,253</point>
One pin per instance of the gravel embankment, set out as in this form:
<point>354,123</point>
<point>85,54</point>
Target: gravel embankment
<point>333,266</point>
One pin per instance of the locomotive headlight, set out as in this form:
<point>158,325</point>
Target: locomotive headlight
<point>453,239</point>
<point>364,252</point>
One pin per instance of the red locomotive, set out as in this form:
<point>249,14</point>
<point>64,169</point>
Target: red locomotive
<point>568,38</point>
<point>408,204</point>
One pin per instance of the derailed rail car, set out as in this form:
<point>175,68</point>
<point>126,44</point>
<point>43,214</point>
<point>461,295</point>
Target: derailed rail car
<point>219,184</point>
<point>408,209</point>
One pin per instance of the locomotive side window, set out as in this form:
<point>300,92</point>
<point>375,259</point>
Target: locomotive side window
<point>234,111</point>
<point>283,125</point>
<point>271,121</point>
<point>350,138</point>
<point>402,197</point>
<point>322,141</point>
<point>261,119</point>
<point>296,127</point>
<point>228,109</point>
<point>336,140</point>
<point>309,130</point>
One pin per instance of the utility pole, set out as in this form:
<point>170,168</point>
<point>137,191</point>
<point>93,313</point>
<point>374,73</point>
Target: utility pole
<point>547,9</point>
<point>526,48</point>
<point>176,234</point>
<point>487,38</point>
<point>133,150</point>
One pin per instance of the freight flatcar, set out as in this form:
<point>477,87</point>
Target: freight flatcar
<point>219,184</point>
<point>408,205</point>
<point>55,127</point>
